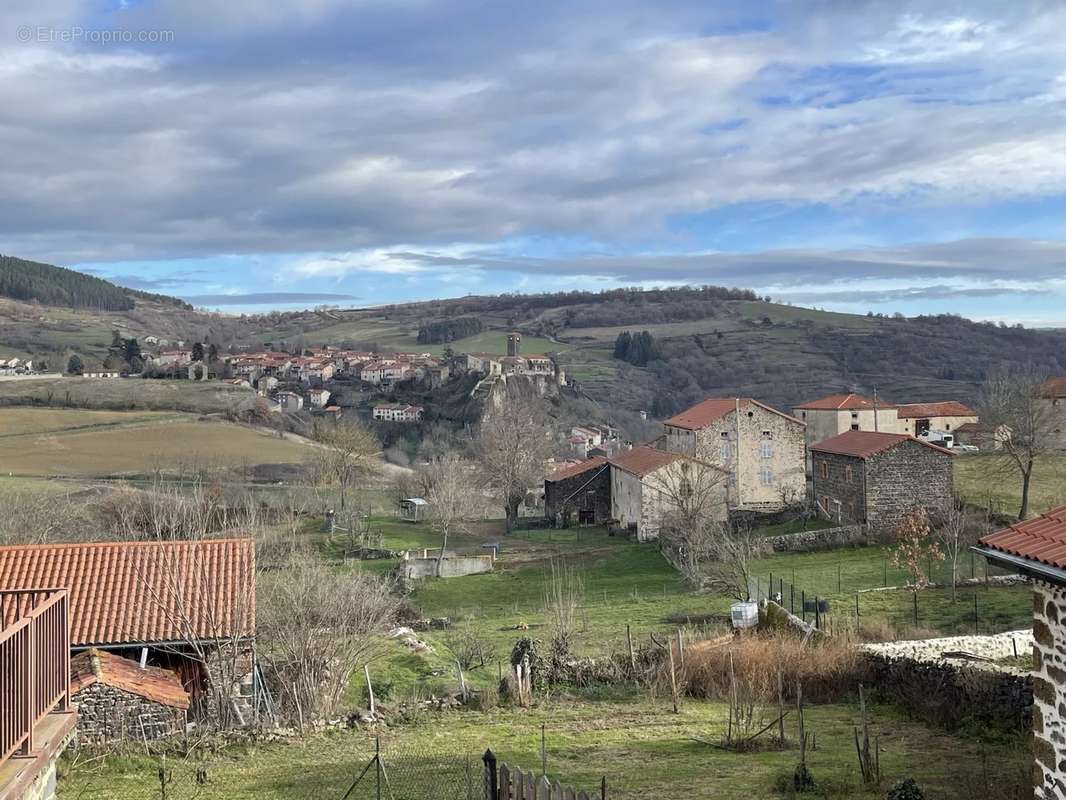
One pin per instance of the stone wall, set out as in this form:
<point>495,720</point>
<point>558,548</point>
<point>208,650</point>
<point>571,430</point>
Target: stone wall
<point>840,486</point>
<point>824,539</point>
<point>902,477</point>
<point>109,714</point>
<point>453,566</point>
<point>1049,690</point>
<point>567,500</point>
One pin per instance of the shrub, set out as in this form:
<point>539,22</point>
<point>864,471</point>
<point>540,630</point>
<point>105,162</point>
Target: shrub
<point>905,790</point>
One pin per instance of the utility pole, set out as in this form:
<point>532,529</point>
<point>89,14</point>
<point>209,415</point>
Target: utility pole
<point>875,408</point>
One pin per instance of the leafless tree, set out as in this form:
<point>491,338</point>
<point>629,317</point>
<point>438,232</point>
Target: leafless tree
<point>349,453</point>
<point>692,495</point>
<point>452,496</point>
<point>317,627</point>
<point>732,554</point>
<point>1012,401</point>
<point>956,531</point>
<point>564,592</point>
<point>43,517</point>
<point>514,444</point>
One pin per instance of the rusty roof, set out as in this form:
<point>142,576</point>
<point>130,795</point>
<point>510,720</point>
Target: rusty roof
<point>944,408</point>
<point>844,402</point>
<point>709,411</point>
<point>143,592</point>
<point>641,461</point>
<point>1041,539</point>
<point>1053,387</point>
<point>152,683</point>
<point>865,444</point>
<point>571,470</point>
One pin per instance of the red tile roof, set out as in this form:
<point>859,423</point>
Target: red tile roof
<point>1041,539</point>
<point>843,402</point>
<point>641,461</point>
<point>143,592</point>
<point>864,444</point>
<point>152,683</point>
<point>571,470</point>
<point>1053,387</point>
<point>946,408</point>
<point>709,411</point>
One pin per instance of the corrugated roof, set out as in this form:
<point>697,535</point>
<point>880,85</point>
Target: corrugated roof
<point>1041,539</point>
<point>152,683</point>
<point>641,461</point>
<point>864,444</point>
<point>843,402</point>
<point>945,408</point>
<point>709,411</point>
<point>143,592</point>
<point>571,470</point>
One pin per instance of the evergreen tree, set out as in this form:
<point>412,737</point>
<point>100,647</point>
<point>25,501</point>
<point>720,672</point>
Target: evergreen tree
<point>212,353</point>
<point>621,345</point>
<point>131,349</point>
<point>198,352</point>
<point>75,365</point>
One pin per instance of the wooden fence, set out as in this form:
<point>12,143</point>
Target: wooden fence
<point>503,782</point>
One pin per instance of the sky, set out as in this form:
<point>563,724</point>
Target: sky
<point>255,154</point>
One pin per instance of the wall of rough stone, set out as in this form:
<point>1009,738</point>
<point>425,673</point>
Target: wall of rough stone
<point>809,541</point>
<point>109,714</point>
<point>563,500</point>
<point>903,477</point>
<point>842,494</point>
<point>1049,690</point>
<point>453,566</point>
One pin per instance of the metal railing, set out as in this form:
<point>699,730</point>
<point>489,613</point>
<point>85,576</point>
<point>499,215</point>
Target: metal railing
<point>34,664</point>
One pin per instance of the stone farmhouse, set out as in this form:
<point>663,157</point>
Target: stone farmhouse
<point>397,412</point>
<point>579,493</point>
<point>920,418</point>
<point>1053,401</point>
<point>875,478</point>
<point>761,448</point>
<point>184,606</point>
<point>646,484</point>
<point>1037,548</point>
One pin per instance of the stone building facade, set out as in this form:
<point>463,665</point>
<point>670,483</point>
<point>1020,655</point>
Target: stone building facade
<point>1035,548</point>
<point>877,478</point>
<point>579,494</point>
<point>1053,407</point>
<point>761,448</point>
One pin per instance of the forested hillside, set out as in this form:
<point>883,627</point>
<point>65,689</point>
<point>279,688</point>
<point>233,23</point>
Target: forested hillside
<point>56,286</point>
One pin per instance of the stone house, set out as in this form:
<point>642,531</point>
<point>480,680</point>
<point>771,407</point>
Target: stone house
<point>647,484</point>
<point>947,416</point>
<point>579,493</point>
<point>1053,402</point>
<point>1037,548</point>
<point>185,606</point>
<point>873,478</point>
<point>830,416</point>
<point>288,401</point>
<point>983,436</point>
<point>397,412</point>
<point>118,700</point>
<point>760,447</point>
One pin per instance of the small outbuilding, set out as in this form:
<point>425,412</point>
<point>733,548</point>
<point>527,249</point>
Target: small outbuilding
<point>581,491</point>
<point>414,509</point>
<point>119,700</point>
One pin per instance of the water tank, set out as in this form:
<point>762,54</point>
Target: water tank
<point>744,615</point>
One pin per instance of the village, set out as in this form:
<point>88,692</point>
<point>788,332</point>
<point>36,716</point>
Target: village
<point>734,509</point>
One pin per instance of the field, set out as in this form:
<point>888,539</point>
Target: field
<point>643,749</point>
<point>127,394</point>
<point>67,442</point>
<point>985,480</point>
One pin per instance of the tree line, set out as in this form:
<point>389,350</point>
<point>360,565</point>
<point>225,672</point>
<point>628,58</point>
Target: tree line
<point>448,330</point>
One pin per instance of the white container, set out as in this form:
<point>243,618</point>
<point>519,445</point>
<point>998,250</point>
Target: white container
<point>744,615</point>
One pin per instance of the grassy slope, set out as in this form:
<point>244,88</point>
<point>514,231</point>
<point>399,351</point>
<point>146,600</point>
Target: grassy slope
<point>990,479</point>
<point>125,394</point>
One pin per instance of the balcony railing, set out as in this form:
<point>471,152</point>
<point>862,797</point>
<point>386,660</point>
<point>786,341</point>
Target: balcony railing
<point>34,664</point>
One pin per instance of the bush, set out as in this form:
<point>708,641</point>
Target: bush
<point>905,790</point>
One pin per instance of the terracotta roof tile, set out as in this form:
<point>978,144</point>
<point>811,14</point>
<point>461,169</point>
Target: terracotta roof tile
<point>641,461</point>
<point>571,470</point>
<point>709,411</point>
<point>843,402</point>
<point>864,444</point>
<point>143,592</point>
<point>1041,539</point>
<point>946,408</point>
<point>1053,387</point>
<point>152,683</point>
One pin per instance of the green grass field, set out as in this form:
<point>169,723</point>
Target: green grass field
<point>642,748</point>
<point>988,480</point>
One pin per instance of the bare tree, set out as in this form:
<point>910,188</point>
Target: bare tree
<point>42,517</point>
<point>349,453</point>
<point>956,531</point>
<point>564,592</point>
<point>916,546</point>
<point>732,555</point>
<point>317,627</point>
<point>452,497</point>
<point>1012,401</point>
<point>692,496</point>
<point>514,444</point>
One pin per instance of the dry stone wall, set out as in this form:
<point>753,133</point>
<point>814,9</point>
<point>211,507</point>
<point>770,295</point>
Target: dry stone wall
<point>1049,690</point>
<point>108,714</point>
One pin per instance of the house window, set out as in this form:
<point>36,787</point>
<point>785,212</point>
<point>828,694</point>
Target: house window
<point>766,477</point>
<point>767,449</point>
<point>726,451</point>
<point>947,427</point>
<point>731,481</point>
<point>825,469</point>
<point>767,435</point>
<point>854,414</point>
<point>854,426</point>
<point>849,474</point>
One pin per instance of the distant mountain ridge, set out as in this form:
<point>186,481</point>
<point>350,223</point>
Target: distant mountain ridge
<point>33,281</point>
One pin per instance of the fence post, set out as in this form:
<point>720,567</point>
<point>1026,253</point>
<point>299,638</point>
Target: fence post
<point>856,607</point>
<point>915,593</point>
<point>603,788</point>
<point>492,778</point>
<point>803,604</point>
<point>976,629</point>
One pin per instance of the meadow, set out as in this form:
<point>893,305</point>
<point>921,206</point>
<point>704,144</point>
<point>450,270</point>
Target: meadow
<point>989,481</point>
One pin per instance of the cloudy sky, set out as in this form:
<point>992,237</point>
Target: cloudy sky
<point>251,154</point>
